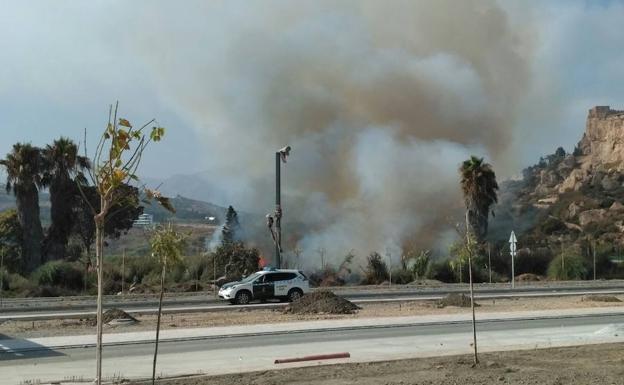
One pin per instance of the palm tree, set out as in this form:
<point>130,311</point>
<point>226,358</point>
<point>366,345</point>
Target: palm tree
<point>167,245</point>
<point>478,183</point>
<point>63,169</point>
<point>23,168</point>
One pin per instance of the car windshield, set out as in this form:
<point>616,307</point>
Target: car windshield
<point>251,277</point>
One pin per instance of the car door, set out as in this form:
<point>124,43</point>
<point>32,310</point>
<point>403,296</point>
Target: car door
<point>269,285</point>
<point>283,283</point>
<point>259,287</point>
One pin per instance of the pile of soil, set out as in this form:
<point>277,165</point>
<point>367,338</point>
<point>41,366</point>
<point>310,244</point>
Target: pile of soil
<point>116,314</point>
<point>454,299</point>
<point>528,277</point>
<point>427,282</point>
<point>141,289</point>
<point>321,302</point>
<point>113,315</point>
<point>601,298</point>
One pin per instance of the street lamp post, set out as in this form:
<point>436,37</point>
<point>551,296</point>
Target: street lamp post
<point>280,156</point>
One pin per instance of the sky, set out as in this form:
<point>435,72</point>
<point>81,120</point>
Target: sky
<point>370,95</point>
<point>66,61</point>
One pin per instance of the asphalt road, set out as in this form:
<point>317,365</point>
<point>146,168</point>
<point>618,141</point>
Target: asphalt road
<point>354,292</point>
<point>255,352</point>
<point>207,304</point>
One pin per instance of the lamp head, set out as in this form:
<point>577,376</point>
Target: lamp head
<point>284,153</point>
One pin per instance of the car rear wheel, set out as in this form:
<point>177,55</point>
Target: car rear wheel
<point>294,295</point>
<point>243,297</point>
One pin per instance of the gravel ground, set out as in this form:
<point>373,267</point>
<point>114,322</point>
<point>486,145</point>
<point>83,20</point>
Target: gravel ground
<point>582,365</point>
<point>27,329</point>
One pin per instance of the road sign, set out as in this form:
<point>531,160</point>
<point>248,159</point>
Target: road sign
<point>512,249</point>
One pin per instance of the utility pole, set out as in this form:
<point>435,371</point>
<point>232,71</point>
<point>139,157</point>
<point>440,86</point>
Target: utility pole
<point>563,262</point>
<point>490,261</point>
<point>280,156</point>
<point>123,269</point>
<point>321,252</point>
<point>278,210</point>
<point>594,259</point>
<point>389,265</point>
<point>214,275</point>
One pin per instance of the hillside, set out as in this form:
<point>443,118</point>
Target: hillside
<point>187,210</point>
<point>570,199</point>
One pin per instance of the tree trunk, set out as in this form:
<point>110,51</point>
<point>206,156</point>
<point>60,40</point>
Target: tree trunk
<point>478,223</point>
<point>472,304</point>
<point>62,199</point>
<point>27,200</point>
<point>99,257</point>
<point>162,290</point>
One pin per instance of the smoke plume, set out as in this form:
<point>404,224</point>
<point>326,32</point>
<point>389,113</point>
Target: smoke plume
<point>380,101</point>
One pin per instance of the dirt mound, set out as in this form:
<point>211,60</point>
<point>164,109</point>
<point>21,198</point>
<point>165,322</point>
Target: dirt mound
<point>601,298</point>
<point>528,277</point>
<point>427,282</point>
<point>321,302</point>
<point>113,315</point>
<point>142,289</point>
<point>454,299</point>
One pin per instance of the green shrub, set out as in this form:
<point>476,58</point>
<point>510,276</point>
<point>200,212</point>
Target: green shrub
<point>421,264</point>
<point>140,267</point>
<point>552,225</point>
<point>152,279</point>
<point>63,274</point>
<point>112,278</point>
<point>532,261</point>
<point>208,274</point>
<point>441,271</point>
<point>402,276</point>
<point>568,266</point>
<point>197,265</point>
<point>376,270</point>
<point>19,284</point>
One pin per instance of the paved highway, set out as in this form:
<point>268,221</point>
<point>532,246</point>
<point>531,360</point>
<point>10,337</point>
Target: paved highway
<point>180,299</point>
<point>235,353</point>
<point>207,304</point>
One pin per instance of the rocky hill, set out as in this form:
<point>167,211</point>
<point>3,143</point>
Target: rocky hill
<point>571,198</point>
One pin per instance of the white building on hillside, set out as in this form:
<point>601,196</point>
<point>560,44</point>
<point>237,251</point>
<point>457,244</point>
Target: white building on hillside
<point>144,220</point>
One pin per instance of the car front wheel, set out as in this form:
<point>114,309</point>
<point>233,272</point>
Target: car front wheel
<point>243,298</point>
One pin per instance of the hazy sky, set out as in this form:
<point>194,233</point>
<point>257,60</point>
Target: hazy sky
<point>64,62</point>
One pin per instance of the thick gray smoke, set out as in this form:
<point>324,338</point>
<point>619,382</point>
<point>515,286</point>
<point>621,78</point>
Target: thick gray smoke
<point>380,101</point>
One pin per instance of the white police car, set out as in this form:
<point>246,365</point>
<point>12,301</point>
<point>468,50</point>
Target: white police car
<point>267,284</point>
